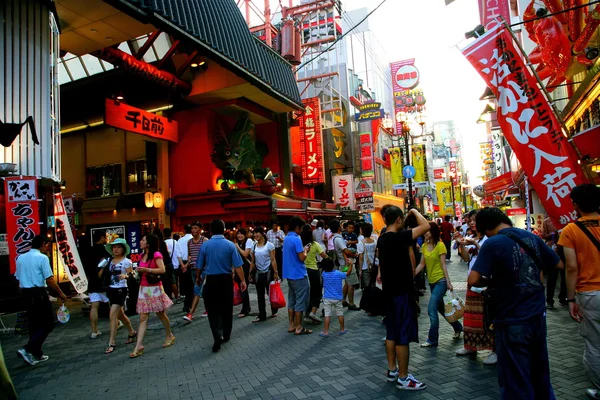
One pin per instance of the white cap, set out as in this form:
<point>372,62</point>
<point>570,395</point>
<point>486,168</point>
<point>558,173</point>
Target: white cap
<point>314,222</point>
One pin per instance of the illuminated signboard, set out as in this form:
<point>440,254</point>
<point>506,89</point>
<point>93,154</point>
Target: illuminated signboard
<point>311,142</point>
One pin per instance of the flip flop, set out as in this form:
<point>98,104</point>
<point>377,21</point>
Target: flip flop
<point>324,335</point>
<point>131,337</point>
<point>292,331</point>
<point>242,315</point>
<point>273,316</point>
<point>343,332</point>
<point>258,320</point>
<point>110,348</point>
<point>304,331</point>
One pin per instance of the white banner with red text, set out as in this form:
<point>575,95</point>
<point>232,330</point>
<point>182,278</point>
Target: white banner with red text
<point>343,191</point>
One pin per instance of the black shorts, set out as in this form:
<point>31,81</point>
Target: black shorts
<point>116,296</point>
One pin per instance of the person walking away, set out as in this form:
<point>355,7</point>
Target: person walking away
<point>447,228</point>
<point>164,250</point>
<point>94,255</point>
<point>244,246</point>
<point>315,251</point>
<point>152,297</point>
<point>319,237</point>
<point>294,270</point>
<point>513,259</point>
<point>218,256</point>
<point>580,241</point>
<point>345,262</point>
<point>434,259</point>
<point>366,254</point>
<point>332,298</point>
<point>476,336</point>
<point>171,245</point>
<point>194,246</point>
<point>34,273</point>
<point>396,277</point>
<point>262,268</point>
<point>119,268</point>
<point>276,237</point>
<point>550,235</point>
<point>186,283</point>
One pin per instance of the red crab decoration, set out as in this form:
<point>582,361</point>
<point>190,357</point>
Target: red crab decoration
<point>561,39</point>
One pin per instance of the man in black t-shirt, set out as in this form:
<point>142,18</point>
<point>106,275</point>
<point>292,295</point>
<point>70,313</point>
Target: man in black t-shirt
<point>396,274</point>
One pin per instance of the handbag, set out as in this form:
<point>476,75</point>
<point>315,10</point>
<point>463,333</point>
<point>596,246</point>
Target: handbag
<point>237,294</point>
<point>151,278</point>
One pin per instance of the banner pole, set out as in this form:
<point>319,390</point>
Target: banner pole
<point>527,210</point>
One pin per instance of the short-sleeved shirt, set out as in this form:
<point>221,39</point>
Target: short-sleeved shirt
<point>368,252</point>
<point>588,256</point>
<point>218,256</point>
<point>117,269</point>
<point>274,237</point>
<point>262,256</point>
<point>171,245</point>
<point>293,268</point>
<point>446,229</point>
<point>33,268</point>
<point>394,262</point>
<point>311,256</point>
<point>351,237</point>
<point>149,264</point>
<point>515,278</point>
<point>432,261</point>
<point>332,284</point>
<point>339,245</point>
<point>181,248</point>
<point>329,237</point>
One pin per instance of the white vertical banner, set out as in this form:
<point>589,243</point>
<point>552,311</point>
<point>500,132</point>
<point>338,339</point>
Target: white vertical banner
<point>498,151</point>
<point>343,191</point>
<point>68,254</point>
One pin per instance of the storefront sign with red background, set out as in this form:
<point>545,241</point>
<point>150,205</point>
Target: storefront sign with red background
<point>438,174</point>
<point>491,10</point>
<point>135,120</point>
<point>452,168</point>
<point>311,142</point>
<point>405,76</point>
<point>528,122</point>
<point>366,156</point>
<point>22,216</point>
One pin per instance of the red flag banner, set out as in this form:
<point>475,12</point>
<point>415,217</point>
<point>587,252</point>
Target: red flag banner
<point>528,122</point>
<point>22,216</point>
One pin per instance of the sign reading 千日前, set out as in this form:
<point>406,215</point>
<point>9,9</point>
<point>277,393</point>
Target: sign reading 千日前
<point>68,255</point>
<point>528,122</point>
<point>343,191</point>
<point>133,119</point>
<point>311,142</point>
<point>490,10</point>
<point>22,216</point>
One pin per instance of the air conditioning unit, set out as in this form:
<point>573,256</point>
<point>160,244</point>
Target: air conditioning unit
<point>8,167</point>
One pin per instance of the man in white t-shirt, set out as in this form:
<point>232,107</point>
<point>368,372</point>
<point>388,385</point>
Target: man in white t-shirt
<point>186,282</point>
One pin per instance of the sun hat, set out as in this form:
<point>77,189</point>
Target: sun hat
<point>314,222</point>
<point>120,241</point>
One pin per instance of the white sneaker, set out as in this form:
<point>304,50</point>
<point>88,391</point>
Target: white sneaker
<point>27,357</point>
<point>392,375</point>
<point>491,359</point>
<point>592,394</point>
<point>314,317</point>
<point>94,335</point>
<point>42,358</point>
<point>464,352</point>
<point>410,383</point>
<point>120,325</point>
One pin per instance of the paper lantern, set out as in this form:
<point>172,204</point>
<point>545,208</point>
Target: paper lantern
<point>158,200</point>
<point>149,199</point>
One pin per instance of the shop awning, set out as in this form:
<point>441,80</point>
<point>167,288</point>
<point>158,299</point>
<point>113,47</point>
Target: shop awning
<point>588,142</point>
<point>499,184</point>
<point>99,205</point>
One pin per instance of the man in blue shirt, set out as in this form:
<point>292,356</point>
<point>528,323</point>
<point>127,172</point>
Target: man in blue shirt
<point>513,259</point>
<point>34,274</point>
<point>294,271</point>
<point>216,259</point>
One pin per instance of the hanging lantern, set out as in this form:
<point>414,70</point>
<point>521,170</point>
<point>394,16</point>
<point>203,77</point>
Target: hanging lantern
<point>158,200</point>
<point>149,199</point>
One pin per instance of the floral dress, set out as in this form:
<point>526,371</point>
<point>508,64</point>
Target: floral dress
<point>152,298</point>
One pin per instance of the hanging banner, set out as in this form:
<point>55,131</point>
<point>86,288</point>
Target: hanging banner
<point>367,165</point>
<point>22,216</point>
<point>419,161</point>
<point>491,10</point>
<point>498,152</point>
<point>134,235</point>
<point>343,191</point>
<point>311,143</point>
<point>444,197</point>
<point>69,256</point>
<point>70,209</point>
<point>396,166</point>
<point>528,123</point>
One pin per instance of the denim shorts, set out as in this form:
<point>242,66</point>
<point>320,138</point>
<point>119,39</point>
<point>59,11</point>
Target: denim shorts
<point>198,288</point>
<point>298,295</point>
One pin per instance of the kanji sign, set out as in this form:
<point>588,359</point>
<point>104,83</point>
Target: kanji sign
<point>367,164</point>
<point>405,76</point>
<point>369,111</point>
<point>311,142</point>
<point>366,204</point>
<point>439,174</point>
<point>528,122</point>
<point>498,152</point>
<point>22,216</point>
<point>364,188</point>
<point>135,120</point>
<point>343,190</point>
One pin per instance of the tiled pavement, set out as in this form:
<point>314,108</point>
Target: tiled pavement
<point>262,361</point>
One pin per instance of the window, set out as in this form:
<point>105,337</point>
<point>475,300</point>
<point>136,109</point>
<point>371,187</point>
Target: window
<point>103,181</point>
<point>138,177</point>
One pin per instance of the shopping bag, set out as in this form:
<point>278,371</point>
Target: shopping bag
<point>454,308</point>
<point>276,295</point>
<point>237,294</point>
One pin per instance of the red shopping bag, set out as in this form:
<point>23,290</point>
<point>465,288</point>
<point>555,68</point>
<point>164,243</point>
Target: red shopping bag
<point>237,294</point>
<point>276,295</point>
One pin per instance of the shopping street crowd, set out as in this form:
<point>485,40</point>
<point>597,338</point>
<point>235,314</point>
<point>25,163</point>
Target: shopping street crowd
<point>504,310</point>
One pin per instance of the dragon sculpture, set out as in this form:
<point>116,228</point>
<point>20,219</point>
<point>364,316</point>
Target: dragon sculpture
<point>238,155</point>
<point>563,39</point>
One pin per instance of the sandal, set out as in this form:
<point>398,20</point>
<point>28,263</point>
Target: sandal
<point>258,320</point>
<point>304,331</point>
<point>136,354</point>
<point>131,337</point>
<point>169,343</point>
<point>110,348</point>
<point>240,315</point>
<point>273,315</point>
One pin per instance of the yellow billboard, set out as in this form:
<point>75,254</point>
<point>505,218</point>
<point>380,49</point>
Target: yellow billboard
<point>396,165</point>
<point>419,161</point>
<point>444,196</point>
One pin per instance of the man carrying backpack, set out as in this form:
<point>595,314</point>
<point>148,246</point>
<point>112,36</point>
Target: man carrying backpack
<point>580,241</point>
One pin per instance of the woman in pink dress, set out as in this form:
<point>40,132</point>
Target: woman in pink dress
<point>152,297</point>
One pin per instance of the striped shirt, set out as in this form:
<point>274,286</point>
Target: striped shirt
<point>273,237</point>
<point>194,250</point>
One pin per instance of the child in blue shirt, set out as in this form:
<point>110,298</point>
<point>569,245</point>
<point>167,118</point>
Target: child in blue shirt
<point>332,298</point>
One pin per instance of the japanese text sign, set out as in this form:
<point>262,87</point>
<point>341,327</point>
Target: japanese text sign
<point>343,191</point>
<point>68,254</point>
<point>528,122</point>
<point>22,216</point>
<point>439,174</point>
<point>498,151</point>
<point>491,10</point>
<point>405,76</point>
<point>133,119</point>
<point>367,164</point>
<point>369,111</point>
<point>311,142</point>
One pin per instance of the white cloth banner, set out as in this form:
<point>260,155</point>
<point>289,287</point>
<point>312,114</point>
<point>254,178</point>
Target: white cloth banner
<point>68,254</point>
<point>343,191</point>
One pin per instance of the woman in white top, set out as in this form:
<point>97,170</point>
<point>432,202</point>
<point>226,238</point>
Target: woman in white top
<point>119,267</point>
<point>244,246</point>
<point>263,261</point>
<point>366,250</point>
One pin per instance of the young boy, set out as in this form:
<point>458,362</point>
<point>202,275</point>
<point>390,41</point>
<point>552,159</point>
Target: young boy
<point>332,298</point>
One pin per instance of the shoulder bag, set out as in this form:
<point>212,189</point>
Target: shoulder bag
<point>588,234</point>
<point>152,278</point>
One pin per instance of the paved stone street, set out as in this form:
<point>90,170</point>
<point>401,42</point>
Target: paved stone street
<point>263,361</point>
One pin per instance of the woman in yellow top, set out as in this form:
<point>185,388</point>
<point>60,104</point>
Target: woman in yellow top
<point>434,259</point>
<point>312,269</point>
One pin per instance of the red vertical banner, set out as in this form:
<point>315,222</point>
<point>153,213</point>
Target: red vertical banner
<point>528,122</point>
<point>311,142</point>
<point>366,156</point>
<point>490,12</point>
<point>22,216</point>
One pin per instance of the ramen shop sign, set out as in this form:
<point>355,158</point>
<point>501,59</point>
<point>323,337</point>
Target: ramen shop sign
<point>123,116</point>
<point>311,142</point>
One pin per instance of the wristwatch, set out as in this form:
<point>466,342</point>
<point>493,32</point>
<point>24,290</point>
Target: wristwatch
<point>570,300</point>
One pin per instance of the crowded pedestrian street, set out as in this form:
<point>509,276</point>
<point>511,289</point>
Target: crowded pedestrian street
<point>263,361</point>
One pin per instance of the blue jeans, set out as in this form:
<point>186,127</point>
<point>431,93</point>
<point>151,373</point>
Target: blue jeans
<point>523,368</point>
<point>435,306</point>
